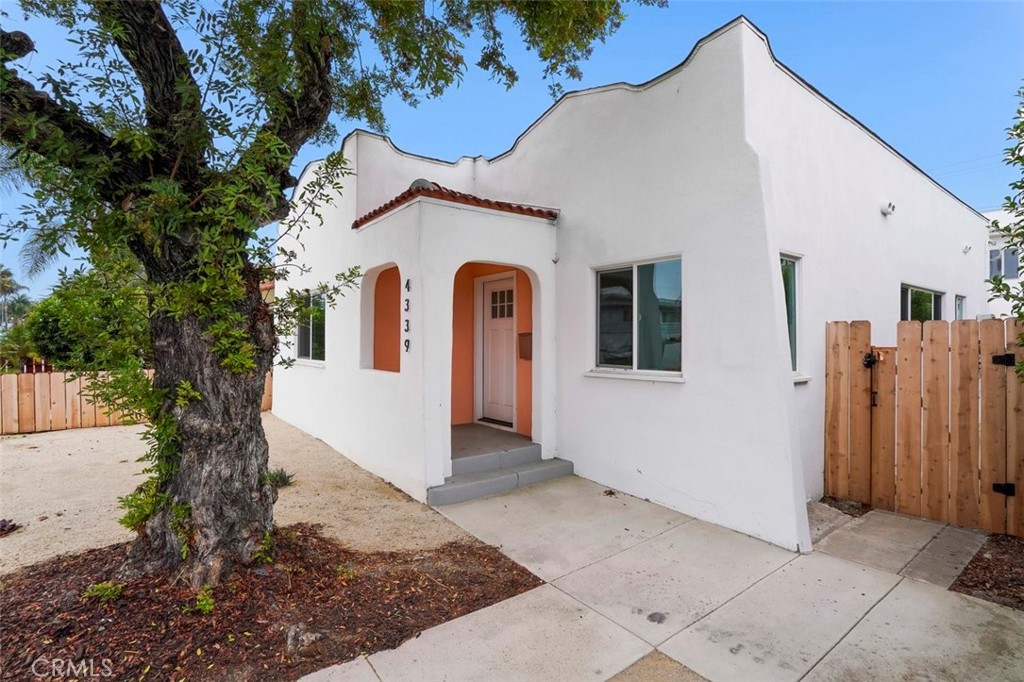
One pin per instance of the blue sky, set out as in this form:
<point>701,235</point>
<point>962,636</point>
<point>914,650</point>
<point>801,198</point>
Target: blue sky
<point>935,80</point>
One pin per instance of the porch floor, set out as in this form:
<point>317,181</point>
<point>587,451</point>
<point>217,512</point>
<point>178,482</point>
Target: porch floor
<point>469,440</point>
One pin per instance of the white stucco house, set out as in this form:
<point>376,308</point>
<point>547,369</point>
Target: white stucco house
<point>638,287</point>
<point>1002,260</point>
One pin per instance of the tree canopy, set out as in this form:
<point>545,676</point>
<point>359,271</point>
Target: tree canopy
<point>1013,228</point>
<point>169,142</point>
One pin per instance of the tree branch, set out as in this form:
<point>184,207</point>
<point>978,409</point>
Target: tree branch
<point>145,36</point>
<point>31,119</point>
<point>298,115</point>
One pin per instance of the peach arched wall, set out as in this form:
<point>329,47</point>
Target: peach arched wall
<point>386,321</point>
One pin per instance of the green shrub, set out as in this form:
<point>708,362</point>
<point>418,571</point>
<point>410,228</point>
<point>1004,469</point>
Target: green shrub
<point>279,478</point>
<point>106,592</point>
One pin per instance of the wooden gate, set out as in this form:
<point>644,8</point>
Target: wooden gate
<point>933,427</point>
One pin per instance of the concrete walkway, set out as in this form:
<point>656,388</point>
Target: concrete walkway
<point>638,592</point>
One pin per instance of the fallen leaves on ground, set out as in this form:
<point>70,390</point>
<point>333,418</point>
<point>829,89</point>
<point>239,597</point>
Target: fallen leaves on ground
<point>848,507</point>
<point>316,605</point>
<point>996,573</point>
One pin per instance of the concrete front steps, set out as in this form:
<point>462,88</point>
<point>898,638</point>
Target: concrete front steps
<point>475,476</point>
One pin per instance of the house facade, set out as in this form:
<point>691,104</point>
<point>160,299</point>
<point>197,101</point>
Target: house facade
<point>640,286</point>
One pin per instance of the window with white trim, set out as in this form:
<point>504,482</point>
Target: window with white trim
<point>1004,263</point>
<point>789,274</point>
<point>958,307</point>
<point>920,304</point>
<point>639,317</point>
<point>312,332</point>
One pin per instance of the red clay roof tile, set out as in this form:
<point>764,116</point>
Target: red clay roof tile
<point>436,191</point>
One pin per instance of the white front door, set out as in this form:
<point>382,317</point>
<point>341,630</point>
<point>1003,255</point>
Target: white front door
<point>499,358</point>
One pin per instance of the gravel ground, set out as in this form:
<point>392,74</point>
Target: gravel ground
<point>62,487</point>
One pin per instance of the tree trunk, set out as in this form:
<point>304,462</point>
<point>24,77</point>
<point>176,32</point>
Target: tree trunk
<point>221,473</point>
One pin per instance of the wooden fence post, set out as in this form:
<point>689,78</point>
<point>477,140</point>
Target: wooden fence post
<point>908,418</point>
<point>935,422</point>
<point>963,429</point>
<point>837,410</point>
<point>1015,432</point>
<point>993,425</point>
<point>883,431</point>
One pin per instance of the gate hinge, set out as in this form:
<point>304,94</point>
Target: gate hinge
<point>1008,489</point>
<point>1007,360</point>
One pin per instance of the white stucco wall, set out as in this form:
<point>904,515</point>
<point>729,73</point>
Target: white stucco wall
<point>825,181</point>
<point>645,173</point>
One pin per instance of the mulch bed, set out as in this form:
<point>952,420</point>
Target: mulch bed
<point>318,604</point>
<point>996,573</point>
<point>848,507</point>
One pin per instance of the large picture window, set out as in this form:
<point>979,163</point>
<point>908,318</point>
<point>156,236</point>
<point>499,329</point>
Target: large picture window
<point>639,318</point>
<point>312,333</point>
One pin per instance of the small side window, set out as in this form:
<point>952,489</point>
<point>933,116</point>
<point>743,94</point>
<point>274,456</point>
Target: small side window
<point>995,262</point>
<point>1011,263</point>
<point>789,267</point>
<point>920,304</point>
<point>312,330</point>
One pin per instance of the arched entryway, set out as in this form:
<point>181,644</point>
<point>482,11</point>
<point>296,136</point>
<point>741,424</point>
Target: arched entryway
<point>492,347</point>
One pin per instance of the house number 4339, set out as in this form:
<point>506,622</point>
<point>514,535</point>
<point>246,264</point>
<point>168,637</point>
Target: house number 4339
<point>405,309</point>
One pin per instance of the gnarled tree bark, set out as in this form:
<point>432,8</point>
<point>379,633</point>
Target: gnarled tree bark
<point>221,474</point>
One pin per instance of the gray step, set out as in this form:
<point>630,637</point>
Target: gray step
<point>496,460</point>
<point>462,487</point>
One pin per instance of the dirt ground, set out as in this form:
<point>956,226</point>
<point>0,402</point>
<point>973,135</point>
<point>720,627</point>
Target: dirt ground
<point>62,487</point>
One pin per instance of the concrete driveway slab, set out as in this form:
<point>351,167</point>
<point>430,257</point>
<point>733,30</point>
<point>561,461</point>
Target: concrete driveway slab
<point>657,588</point>
<point>356,670</point>
<point>563,525</point>
<point>540,635</point>
<point>881,540</point>
<point>922,632</point>
<point>945,557</point>
<point>779,628</point>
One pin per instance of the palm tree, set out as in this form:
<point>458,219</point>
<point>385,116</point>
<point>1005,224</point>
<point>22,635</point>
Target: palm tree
<point>8,287</point>
<point>18,308</point>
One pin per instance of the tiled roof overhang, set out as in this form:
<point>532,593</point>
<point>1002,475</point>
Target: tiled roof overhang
<point>436,191</point>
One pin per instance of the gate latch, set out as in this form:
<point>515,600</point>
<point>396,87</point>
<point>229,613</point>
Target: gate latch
<point>1008,489</point>
<point>1006,360</point>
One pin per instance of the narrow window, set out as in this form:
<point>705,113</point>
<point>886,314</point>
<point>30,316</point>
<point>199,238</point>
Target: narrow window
<point>615,318</point>
<point>312,331</point>
<point>959,312</point>
<point>640,315</point>
<point>995,262</point>
<point>789,285</point>
<point>1011,263</point>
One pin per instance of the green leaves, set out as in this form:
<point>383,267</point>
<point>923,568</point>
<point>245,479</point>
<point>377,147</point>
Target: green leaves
<point>1013,229</point>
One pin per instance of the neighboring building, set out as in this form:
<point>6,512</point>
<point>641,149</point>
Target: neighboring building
<point>642,290</point>
<point>1002,260</point>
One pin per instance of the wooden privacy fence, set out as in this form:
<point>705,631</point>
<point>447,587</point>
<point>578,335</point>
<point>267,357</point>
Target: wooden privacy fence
<point>933,427</point>
<point>30,403</point>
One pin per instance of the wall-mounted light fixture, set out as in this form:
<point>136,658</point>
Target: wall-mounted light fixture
<point>888,209</point>
<point>967,249</point>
